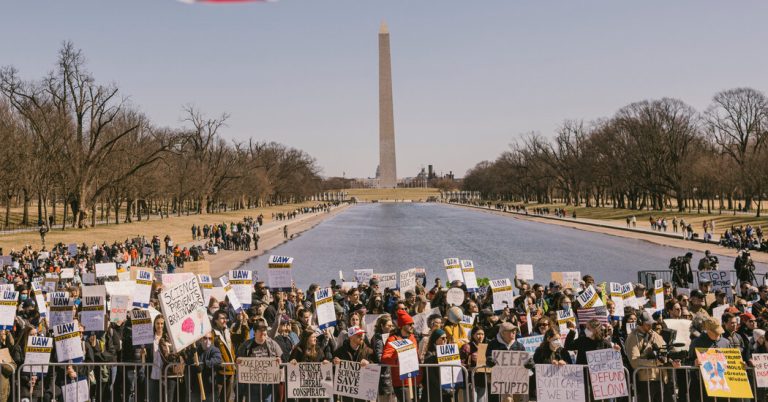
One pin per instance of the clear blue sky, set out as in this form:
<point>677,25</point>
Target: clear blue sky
<point>469,76</point>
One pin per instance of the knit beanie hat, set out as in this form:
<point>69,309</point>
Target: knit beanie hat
<point>403,318</point>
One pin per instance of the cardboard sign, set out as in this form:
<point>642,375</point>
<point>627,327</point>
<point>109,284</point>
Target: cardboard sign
<point>760,360</point>
<point>386,281</point>
<point>606,373</point>
<point>142,332</point>
<point>279,273</point>
<point>324,308</point>
<point>241,281</point>
<point>569,280</point>
<point>106,270</point>
<point>37,354</point>
<point>448,356</point>
<point>723,373</point>
<point>93,313</point>
<point>201,267</point>
<point>454,297</point>
<point>310,380</point>
<point>230,294</point>
<point>363,276</point>
<point>589,298</point>
<point>61,308</point>
<point>142,290</point>
<point>354,381</point>
<point>524,272</point>
<point>560,383</point>
<point>118,307</point>
<point>258,370</point>
<point>508,375</point>
<point>69,345</point>
<point>453,269</point>
<point>186,315</point>
<point>206,284</point>
<point>470,279</point>
<point>502,294</point>
<point>408,360</point>
<point>720,280</point>
<point>407,281</point>
<point>8,301</point>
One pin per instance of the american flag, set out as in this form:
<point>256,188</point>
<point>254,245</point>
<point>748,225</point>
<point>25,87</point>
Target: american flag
<point>584,315</point>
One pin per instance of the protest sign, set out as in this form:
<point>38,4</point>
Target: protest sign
<point>69,346</point>
<point>363,276</point>
<point>258,370</point>
<point>143,288</point>
<point>502,294</point>
<point>324,308</point>
<point>570,280</point>
<point>628,294</point>
<point>106,269</point>
<point>448,355</point>
<point>370,324</point>
<point>8,301</point>
<point>121,288</point>
<point>279,273</point>
<point>683,331</point>
<point>386,281</point>
<point>206,284</point>
<point>67,273</point>
<point>37,354</point>
<point>407,281</point>
<point>61,308</point>
<point>531,343</point>
<point>717,312</point>
<point>50,282</point>
<point>201,267</point>
<point>723,373</point>
<point>470,279</point>
<point>241,281</point>
<point>89,278</point>
<point>76,391</point>
<point>508,375</point>
<point>118,307</point>
<point>453,269</point>
<point>310,380</point>
<point>606,373</point>
<point>354,381</point>
<point>617,296</point>
<point>7,287</point>
<point>93,313</point>
<point>454,297</point>
<point>141,327</point>
<point>420,321</point>
<point>42,306</point>
<point>563,317</point>
<point>230,294</point>
<point>760,360</point>
<point>524,272</point>
<point>559,383</point>
<point>72,249</point>
<point>721,280</point>
<point>589,298</point>
<point>346,286</point>
<point>466,324</point>
<point>407,358</point>
<point>658,292</point>
<point>186,315</point>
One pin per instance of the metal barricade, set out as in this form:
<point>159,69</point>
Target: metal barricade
<point>674,384</point>
<point>647,277</point>
<point>101,381</point>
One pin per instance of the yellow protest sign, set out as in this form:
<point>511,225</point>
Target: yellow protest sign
<point>723,373</point>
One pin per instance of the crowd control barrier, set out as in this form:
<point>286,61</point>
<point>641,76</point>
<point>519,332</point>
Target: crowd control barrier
<point>684,384</point>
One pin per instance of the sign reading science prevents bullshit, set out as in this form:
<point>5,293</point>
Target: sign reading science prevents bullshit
<point>185,313</point>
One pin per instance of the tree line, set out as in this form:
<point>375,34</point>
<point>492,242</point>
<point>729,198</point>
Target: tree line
<point>651,154</point>
<point>71,141</point>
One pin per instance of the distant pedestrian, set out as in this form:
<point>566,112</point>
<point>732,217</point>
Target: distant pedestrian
<point>256,238</point>
<point>285,231</point>
<point>634,221</point>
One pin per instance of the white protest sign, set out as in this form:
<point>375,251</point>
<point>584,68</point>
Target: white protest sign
<point>470,279</point>
<point>76,391</point>
<point>448,355</point>
<point>617,296</point>
<point>324,308</point>
<point>354,381</point>
<point>721,280</point>
<point>92,313</point>
<point>67,273</point>
<point>589,298</point>
<point>142,290</point>
<point>7,287</point>
<point>89,278</point>
<point>258,370</point>
<point>279,273</point>
<point>141,327</point>
<point>69,345</point>
<point>509,375</point>
<point>760,360</point>
<point>420,321</point>
<point>454,297</point>
<point>524,272</point>
<point>658,291</point>
<point>407,281</point>
<point>42,306</point>
<point>531,343</point>
<point>363,276</point>
<point>241,281</point>
<point>502,293</point>
<point>370,324</point>
<point>106,269</point>
<point>407,358</point>
<point>628,294</point>
<point>50,282</point>
<point>572,280</point>
<point>560,383</point>
<point>171,280</point>
<point>467,323</point>
<point>61,308</point>
<point>346,286</point>
<point>717,312</point>
<point>563,317</point>
<point>387,281</point>
<point>453,269</point>
<point>118,307</point>
<point>206,284</point>
<point>186,315</point>
<point>120,288</point>
<point>72,249</point>
<point>230,293</point>
<point>8,301</point>
<point>37,354</point>
<point>606,373</point>
<point>310,380</point>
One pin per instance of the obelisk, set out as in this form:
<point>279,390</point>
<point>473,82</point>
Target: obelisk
<point>387,164</point>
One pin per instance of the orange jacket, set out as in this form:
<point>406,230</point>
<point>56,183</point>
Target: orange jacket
<point>389,357</point>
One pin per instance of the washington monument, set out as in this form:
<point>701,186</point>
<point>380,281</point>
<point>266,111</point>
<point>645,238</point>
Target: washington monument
<point>387,164</point>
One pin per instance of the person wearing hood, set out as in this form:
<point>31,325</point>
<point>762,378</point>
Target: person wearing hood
<point>453,329</point>
<point>390,356</point>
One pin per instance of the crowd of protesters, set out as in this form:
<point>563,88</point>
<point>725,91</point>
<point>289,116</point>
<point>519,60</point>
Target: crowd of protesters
<point>281,324</point>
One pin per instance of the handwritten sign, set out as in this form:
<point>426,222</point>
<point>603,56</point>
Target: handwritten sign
<point>279,273</point>
<point>606,373</point>
<point>760,360</point>
<point>447,356</point>
<point>560,383</point>
<point>408,281</point>
<point>387,281</point>
<point>118,307</point>
<point>502,293</point>
<point>242,284</point>
<point>721,280</point>
<point>141,327</point>
<point>454,297</point>
<point>509,375</point>
<point>76,391</point>
<point>420,321</point>
<point>310,380</point>
<point>531,343</point>
<point>470,279</point>
<point>142,290</point>
<point>69,346</point>
<point>363,276</point>
<point>524,272</point>
<point>453,269</point>
<point>106,270</point>
<point>354,381</point>
<point>37,354</point>
<point>186,316</point>
<point>258,370</point>
<point>723,373</point>
<point>324,308</point>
